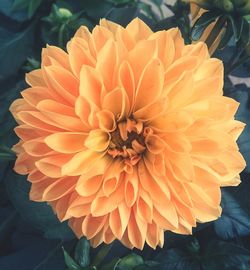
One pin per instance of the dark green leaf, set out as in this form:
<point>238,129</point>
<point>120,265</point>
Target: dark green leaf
<point>14,49</point>
<point>6,153</point>
<point>71,264</point>
<point>148,265</point>
<point>148,11</point>
<point>202,23</point>
<point>226,36</point>
<point>122,15</point>
<point>237,26</point>
<point>122,2</point>
<point>166,23</point>
<point>39,215</point>
<point>235,221</point>
<point>6,226</point>
<point>82,252</point>
<point>158,2</point>
<point>20,4</point>
<point>59,231</point>
<point>176,259</point>
<point>245,37</point>
<point>103,252</point>
<point>220,255</point>
<point>6,7</point>
<point>111,265</point>
<point>96,9</point>
<point>33,6</point>
<point>130,262</point>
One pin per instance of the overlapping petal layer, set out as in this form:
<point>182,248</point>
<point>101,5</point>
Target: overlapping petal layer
<point>128,134</point>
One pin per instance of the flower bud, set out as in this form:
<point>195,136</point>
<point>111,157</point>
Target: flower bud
<point>64,13</point>
<point>228,6</point>
<point>242,6</point>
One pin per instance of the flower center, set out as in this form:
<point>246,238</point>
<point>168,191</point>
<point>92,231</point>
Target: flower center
<point>127,140</point>
<point>117,140</point>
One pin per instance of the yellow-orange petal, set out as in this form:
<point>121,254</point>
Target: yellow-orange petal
<point>66,142</point>
<point>97,140</point>
<point>81,163</point>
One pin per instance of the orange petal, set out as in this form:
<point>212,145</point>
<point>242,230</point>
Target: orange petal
<point>81,163</point>
<point>37,147</point>
<point>79,55</point>
<point>35,78</point>
<point>51,166</point>
<point>62,83</point>
<point>150,84</point>
<point>138,29</point>
<point>59,56</point>
<point>88,186</point>
<point>59,188</point>
<point>136,231</point>
<point>36,94</point>
<point>92,225</point>
<point>106,120</point>
<point>126,80</point>
<point>91,85</point>
<point>131,188</point>
<point>106,63</point>
<point>66,142</point>
<point>97,140</point>
<point>116,101</point>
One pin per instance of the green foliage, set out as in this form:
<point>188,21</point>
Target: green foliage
<point>71,264</point>
<point>202,23</point>
<point>234,221</point>
<point>129,262</point>
<point>39,215</point>
<point>237,26</point>
<point>82,252</point>
<point>20,43</point>
<point>30,5</point>
<point>216,255</point>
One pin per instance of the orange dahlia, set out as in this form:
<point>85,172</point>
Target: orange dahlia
<point>128,134</point>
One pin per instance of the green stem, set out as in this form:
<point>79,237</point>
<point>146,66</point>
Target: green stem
<point>60,36</point>
<point>216,31</point>
<point>7,153</point>
<point>101,254</point>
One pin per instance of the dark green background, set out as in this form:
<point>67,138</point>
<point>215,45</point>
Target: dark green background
<point>30,235</point>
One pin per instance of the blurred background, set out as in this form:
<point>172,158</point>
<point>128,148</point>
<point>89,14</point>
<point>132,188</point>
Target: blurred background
<point>31,238</point>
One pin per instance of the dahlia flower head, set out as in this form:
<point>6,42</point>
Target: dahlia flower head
<point>128,134</point>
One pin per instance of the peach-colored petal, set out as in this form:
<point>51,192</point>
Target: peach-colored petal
<point>79,55</point>
<point>91,86</point>
<point>150,85</point>
<point>106,63</point>
<point>62,83</point>
<point>138,29</point>
<point>35,78</point>
<point>66,142</point>
<point>37,147</point>
<point>51,166</point>
<point>81,162</point>
<point>34,95</point>
<point>55,54</point>
<point>106,120</point>
<point>97,140</point>
<point>117,102</point>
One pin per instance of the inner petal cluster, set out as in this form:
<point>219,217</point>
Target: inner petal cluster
<point>128,140</point>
